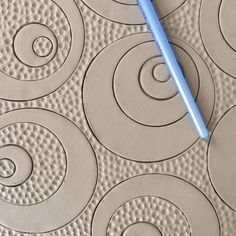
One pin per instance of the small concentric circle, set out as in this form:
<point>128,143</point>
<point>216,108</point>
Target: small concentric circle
<point>160,73</point>
<point>161,201</point>
<point>28,45</point>
<point>133,114</point>
<point>127,11</point>
<point>218,30</point>
<point>221,158</point>
<point>54,161</point>
<point>42,46</point>
<point>155,80</point>
<point>7,168</point>
<point>23,168</point>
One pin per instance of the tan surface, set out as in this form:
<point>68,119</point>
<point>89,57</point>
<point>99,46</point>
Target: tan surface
<point>94,139</point>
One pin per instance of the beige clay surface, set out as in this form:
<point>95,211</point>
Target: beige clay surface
<point>94,138</point>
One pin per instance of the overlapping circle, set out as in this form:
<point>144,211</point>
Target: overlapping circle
<point>158,203</point>
<point>54,161</point>
<point>41,45</point>
<point>131,104</point>
<point>221,158</point>
<point>127,11</point>
<point>217,21</point>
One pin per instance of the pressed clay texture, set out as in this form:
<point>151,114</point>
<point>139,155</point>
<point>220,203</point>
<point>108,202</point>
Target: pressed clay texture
<point>94,138</point>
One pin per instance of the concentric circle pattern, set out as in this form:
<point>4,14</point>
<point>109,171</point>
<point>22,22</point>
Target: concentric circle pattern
<point>158,200</point>
<point>41,45</point>
<point>219,32</point>
<point>94,137</point>
<point>127,11</point>
<point>50,171</point>
<point>221,158</point>
<point>143,107</point>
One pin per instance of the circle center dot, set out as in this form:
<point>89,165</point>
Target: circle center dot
<point>160,73</point>
<point>7,168</point>
<point>42,46</point>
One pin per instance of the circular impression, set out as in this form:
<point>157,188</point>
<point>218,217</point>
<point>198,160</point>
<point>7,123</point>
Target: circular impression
<point>35,43</point>
<point>53,162</point>
<point>133,107</point>
<point>218,30</point>
<point>140,229</point>
<point>7,168</point>
<point>40,48</point>
<point>158,204</point>
<point>221,158</point>
<point>19,166</point>
<point>127,11</point>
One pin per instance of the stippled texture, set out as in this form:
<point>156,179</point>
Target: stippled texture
<point>191,165</point>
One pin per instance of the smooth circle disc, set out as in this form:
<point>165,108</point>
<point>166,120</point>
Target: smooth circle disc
<point>127,11</point>
<point>221,158</point>
<point>140,229</point>
<point>194,205</point>
<point>118,110</point>
<point>218,30</point>
<point>77,187</point>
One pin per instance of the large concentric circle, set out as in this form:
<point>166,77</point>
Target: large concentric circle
<point>218,30</point>
<point>162,204</point>
<point>127,11</point>
<point>41,45</point>
<point>150,100</point>
<point>132,105</point>
<point>221,158</point>
<point>53,162</point>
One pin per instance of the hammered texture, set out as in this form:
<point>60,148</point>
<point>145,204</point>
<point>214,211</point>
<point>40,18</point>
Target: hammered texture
<point>49,154</point>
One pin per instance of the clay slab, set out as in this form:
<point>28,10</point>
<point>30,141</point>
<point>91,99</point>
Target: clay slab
<point>94,138</point>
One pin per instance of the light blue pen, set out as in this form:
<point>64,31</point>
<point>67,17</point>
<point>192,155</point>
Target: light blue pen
<point>162,42</point>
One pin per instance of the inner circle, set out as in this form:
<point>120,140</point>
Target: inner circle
<point>160,73</point>
<point>42,46</point>
<point>155,80</point>
<point>7,168</point>
<point>142,228</point>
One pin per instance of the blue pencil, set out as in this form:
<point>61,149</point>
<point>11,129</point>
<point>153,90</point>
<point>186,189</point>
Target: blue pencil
<point>162,42</point>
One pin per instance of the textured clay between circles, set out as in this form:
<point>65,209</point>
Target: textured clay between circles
<point>190,165</point>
